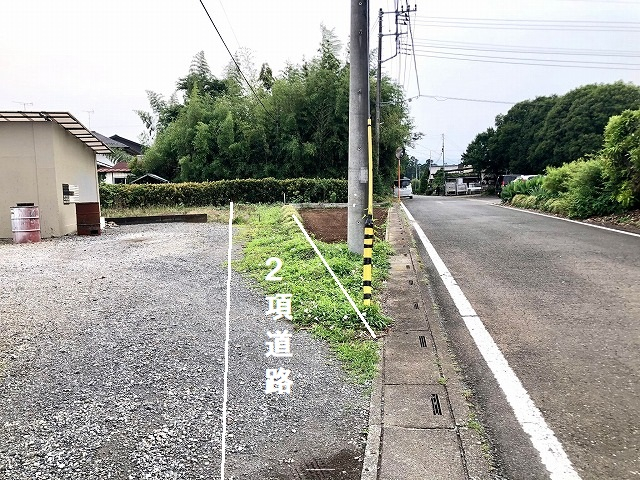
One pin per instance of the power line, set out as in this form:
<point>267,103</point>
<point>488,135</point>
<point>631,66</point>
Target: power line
<point>532,59</point>
<point>235,62</point>
<point>529,26</point>
<point>529,20</point>
<point>486,47</point>
<point>441,98</point>
<point>415,65</point>
<point>230,26</point>
<point>488,59</point>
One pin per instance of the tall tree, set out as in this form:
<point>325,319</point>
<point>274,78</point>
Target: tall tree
<point>574,126</point>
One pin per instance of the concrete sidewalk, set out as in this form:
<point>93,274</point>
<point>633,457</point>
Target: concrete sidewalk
<point>420,415</point>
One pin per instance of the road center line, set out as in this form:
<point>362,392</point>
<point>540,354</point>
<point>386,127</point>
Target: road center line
<point>528,415</point>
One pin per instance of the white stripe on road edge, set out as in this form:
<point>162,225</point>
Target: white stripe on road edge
<point>544,440</point>
<point>226,345</point>
<point>567,220</point>
<point>346,294</point>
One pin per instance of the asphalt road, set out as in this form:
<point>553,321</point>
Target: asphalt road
<point>562,302</point>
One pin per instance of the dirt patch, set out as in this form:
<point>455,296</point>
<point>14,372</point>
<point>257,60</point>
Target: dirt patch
<point>628,221</point>
<point>330,224</point>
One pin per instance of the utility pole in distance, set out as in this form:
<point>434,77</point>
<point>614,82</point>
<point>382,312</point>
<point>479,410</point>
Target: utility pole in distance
<point>358,116</point>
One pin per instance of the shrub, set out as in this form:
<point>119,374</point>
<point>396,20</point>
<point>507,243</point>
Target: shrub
<point>587,191</point>
<point>264,190</point>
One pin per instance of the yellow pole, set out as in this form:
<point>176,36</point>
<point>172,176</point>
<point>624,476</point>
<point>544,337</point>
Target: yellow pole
<point>370,207</point>
<point>368,233</point>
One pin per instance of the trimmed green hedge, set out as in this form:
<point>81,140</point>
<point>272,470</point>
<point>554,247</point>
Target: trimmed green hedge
<point>263,190</point>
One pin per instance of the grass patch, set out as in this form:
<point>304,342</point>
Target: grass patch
<point>317,303</point>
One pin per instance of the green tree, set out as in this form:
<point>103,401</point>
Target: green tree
<point>479,154</point>
<point>574,126</point>
<point>293,125</point>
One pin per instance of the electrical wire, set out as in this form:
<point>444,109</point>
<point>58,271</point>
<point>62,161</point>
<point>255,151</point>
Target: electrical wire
<point>527,26</point>
<point>441,98</point>
<point>415,64</point>
<point>235,62</point>
<point>531,59</point>
<point>525,61</point>
<point>230,26</point>
<point>488,47</point>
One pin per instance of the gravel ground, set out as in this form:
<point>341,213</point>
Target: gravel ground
<point>112,358</point>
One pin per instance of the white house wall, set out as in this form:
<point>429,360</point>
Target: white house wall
<point>75,165</point>
<point>28,173</point>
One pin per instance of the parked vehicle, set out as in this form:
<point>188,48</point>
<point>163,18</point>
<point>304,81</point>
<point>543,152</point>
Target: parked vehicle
<point>504,180</point>
<point>405,188</point>
<point>525,177</point>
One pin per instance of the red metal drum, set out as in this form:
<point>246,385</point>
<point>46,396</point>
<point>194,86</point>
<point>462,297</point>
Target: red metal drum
<point>25,224</point>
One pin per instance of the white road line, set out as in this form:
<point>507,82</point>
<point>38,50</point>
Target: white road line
<point>226,346</point>
<point>528,415</point>
<point>344,291</point>
<point>567,220</point>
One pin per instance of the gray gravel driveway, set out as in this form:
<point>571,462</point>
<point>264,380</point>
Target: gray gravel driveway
<point>111,367</point>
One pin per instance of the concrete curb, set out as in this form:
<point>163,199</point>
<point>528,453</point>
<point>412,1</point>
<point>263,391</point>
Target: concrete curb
<point>404,440</point>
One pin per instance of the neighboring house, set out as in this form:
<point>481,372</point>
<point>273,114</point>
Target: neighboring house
<point>107,160</point>
<point>110,170</point>
<point>150,178</point>
<point>48,159</point>
<point>116,174</point>
<point>131,147</point>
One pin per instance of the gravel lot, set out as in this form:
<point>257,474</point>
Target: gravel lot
<point>111,366</point>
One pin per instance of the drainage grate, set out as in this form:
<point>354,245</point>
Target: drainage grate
<point>423,340</point>
<point>435,404</point>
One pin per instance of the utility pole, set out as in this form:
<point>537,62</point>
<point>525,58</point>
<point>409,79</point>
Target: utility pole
<point>399,14</point>
<point>378,90</point>
<point>444,174</point>
<point>358,117</point>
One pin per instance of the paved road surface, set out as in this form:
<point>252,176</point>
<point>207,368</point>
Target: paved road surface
<point>562,301</point>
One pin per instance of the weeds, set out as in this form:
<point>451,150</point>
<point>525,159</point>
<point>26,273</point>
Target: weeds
<point>317,303</point>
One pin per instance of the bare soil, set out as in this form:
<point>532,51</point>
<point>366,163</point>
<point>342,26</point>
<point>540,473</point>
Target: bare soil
<point>628,221</point>
<point>330,224</point>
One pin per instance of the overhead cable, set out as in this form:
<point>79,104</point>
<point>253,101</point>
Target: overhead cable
<point>235,62</point>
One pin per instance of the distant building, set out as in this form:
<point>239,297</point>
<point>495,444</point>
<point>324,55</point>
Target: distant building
<point>150,178</point>
<point>118,173</point>
<point>48,159</point>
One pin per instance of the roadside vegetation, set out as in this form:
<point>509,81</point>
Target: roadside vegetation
<point>317,304</point>
<point>605,183</point>
<point>288,124</point>
<point>550,131</point>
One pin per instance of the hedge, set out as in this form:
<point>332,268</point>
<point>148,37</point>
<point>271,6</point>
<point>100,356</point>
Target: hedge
<point>264,190</point>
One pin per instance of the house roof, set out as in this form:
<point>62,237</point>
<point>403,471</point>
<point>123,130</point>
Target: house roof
<point>134,148</point>
<point>151,176</point>
<point>109,142</point>
<point>122,167</point>
<point>65,120</point>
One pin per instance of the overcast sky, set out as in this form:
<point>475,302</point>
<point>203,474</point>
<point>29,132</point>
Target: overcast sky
<point>96,59</point>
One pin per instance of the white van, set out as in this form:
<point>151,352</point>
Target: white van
<point>405,188</point>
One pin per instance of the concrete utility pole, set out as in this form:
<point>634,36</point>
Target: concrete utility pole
<point>378,90</point>
<point>358,116</point>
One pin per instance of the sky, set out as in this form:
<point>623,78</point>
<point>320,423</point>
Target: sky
<point>96,59</point>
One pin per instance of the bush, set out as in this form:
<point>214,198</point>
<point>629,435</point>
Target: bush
<point>264,190</point>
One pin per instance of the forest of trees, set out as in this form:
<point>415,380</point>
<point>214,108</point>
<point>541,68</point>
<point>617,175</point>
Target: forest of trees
<point>550,131</point>
<point>287,126</point>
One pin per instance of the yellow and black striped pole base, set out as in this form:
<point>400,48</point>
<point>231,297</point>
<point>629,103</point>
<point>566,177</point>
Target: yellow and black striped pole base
<point>367,254</point>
